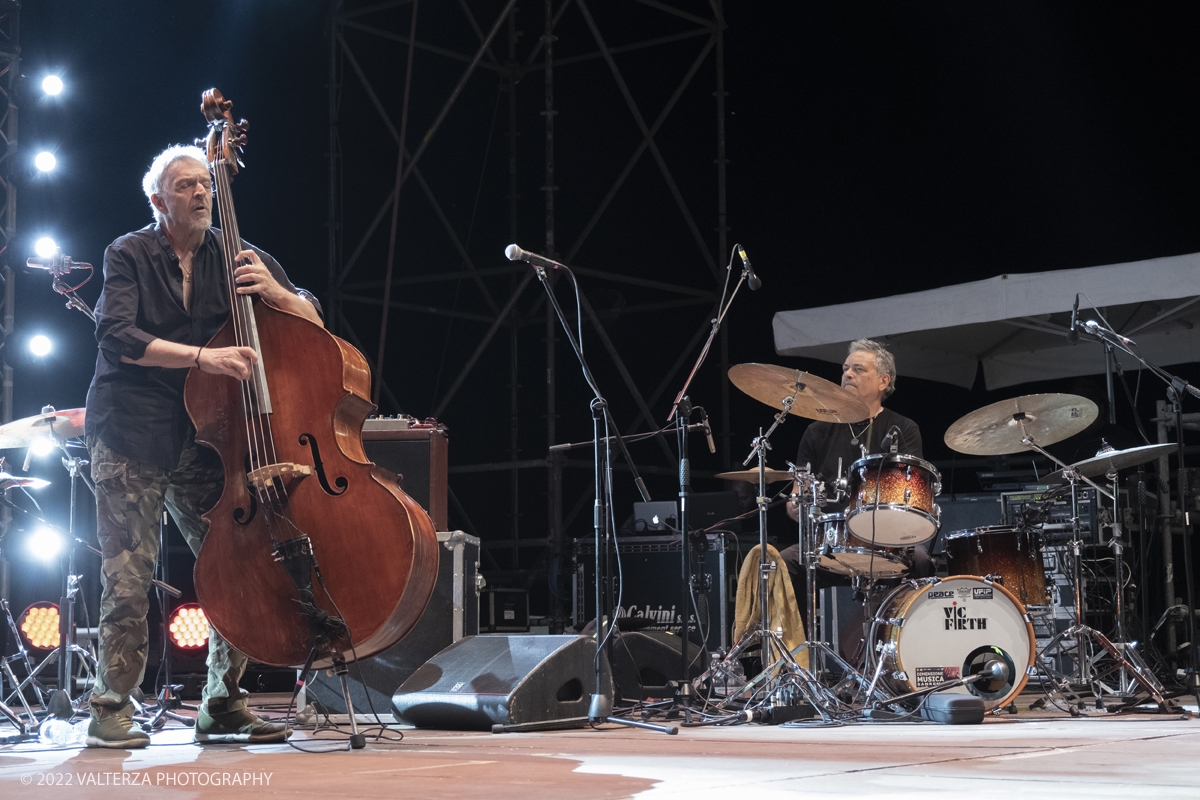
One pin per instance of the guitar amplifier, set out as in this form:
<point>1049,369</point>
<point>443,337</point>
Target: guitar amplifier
<point>416,452</point>
<point>652,567</point>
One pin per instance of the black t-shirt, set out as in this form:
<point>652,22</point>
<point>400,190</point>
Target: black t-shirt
<point>138,411</point>
<point>824,443</point>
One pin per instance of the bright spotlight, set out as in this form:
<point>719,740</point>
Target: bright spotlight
<point>39,626</point>
<point>189,627</point>
<point>52,84</point>
<point>45,247</point>
<point>45,544</point>
<point>40,345</point>
<point>45,161</point>
<point>42,447</point>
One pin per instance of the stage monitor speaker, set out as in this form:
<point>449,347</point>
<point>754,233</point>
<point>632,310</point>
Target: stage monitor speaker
<point>644,663</point>
<point>482,681</point>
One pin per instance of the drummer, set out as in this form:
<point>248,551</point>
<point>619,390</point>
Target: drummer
<point>869,373</point>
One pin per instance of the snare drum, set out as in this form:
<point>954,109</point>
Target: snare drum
<point>940,630</point>
<point>842,556</point>
<point>1012,553</point>
<point>891,500</point>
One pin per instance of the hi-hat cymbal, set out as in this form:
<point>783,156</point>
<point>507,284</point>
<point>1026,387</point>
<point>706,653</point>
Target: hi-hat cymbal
<point>999,428</point>
<point>816,399</point>
<point>53,425</point>
<point>11,481</point>
<point>1113,461</point>
<point>751,475</point>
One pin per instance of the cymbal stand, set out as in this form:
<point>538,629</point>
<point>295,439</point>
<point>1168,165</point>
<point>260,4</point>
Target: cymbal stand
<point>22,655</point>
<point>1176,388</point>
<point>819,644</point>
<point>782,677</point>
<point>61,703</point>
<point>1086,661</point>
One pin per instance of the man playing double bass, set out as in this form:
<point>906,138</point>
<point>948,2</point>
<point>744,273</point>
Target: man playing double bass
<point>164,297</point>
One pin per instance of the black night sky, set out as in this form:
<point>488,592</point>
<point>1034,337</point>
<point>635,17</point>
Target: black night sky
<point>874,148</point>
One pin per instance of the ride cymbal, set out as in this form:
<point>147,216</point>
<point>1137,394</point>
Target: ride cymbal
<point>53,425</point>
<point>999,428</point>
<point>1113,461</point>
<point>816,398</point>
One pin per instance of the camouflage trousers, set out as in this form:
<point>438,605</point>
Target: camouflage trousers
<point>129,504</point>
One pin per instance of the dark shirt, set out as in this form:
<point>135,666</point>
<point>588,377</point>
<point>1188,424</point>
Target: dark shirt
<point>823,443</point>
<point>138,411</point>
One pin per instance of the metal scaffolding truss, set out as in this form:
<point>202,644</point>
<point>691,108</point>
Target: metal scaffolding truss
<point>614,134</point>
<point>10,71</point>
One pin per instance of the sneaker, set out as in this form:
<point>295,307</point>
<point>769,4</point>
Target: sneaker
<point>240,726</point>
<point>115,728</point>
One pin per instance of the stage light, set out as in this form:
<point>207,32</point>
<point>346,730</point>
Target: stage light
<point>39,626</point>
<point>45,161</point>
<point>40,345</point>
<point>45,544</point>
<point>189,627</point>
<point>45,247</point>
<point>52,84</point>
<point>43,446</point>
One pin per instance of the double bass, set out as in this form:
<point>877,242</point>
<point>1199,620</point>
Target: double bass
<point>314,555</point>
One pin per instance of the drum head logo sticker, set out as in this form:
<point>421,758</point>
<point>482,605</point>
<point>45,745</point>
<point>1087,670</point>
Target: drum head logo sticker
<point>928,677</point>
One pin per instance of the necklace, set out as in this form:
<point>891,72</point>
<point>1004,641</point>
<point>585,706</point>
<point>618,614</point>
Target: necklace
<point>855,436</point>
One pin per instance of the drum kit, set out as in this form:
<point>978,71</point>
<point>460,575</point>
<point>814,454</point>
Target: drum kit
<point>967,634</point>
<point>62,430</point>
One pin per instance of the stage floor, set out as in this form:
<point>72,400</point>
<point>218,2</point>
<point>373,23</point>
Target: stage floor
<point>1025,756</point>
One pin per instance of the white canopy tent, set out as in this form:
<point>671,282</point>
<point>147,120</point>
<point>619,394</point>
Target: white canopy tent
<point>1014,325</point>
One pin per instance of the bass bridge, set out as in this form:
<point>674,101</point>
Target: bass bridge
<point>276,477</point>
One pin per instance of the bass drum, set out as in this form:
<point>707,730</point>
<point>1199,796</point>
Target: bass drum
<point>843,556</point>
<point>940,630</point>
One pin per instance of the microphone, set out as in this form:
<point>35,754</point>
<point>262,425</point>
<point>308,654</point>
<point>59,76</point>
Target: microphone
<point>752,280</point>
<point>712,447</point>
<point>998,669</point>
<point>1095,328</point>
<point>1072,334</point>
<point>515,253</point>
<point>56,263</point>
<point>890,442</point>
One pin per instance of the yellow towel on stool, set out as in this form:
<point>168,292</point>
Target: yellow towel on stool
<point>782,611</point>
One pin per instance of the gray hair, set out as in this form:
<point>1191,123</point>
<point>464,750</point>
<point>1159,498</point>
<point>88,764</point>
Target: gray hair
<point>152,181</point>
<point>885,363</point>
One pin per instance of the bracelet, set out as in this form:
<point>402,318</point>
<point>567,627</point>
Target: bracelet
<point>198,349</point>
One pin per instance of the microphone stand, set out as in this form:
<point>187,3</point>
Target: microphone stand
<point>60,265</point>
<point>1176,388</point>
<point>601,703</point>
<point>681,411</point>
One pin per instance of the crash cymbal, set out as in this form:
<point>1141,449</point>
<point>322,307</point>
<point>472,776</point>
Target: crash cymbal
<point>751,475</point>
<point>999,428</point>
<point>1113,461</point>
<point>817,398</point>
<point>11,481</point>
<point>53,425</point>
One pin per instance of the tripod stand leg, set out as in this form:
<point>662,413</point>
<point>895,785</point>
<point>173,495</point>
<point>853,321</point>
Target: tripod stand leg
<point>357,740</point>
<point>17,689</point>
